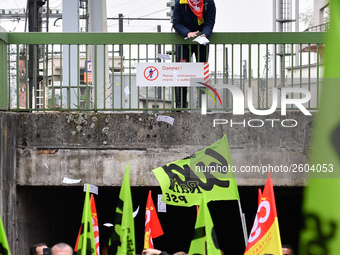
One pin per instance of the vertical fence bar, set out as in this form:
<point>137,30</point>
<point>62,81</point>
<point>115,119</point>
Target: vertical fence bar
<point>113,76</point>
<point>35,79</point>
<point>130,83</point>
<point>69,78</point>
<point>155,88</point>
<point>78,79</point>
<point>163,88</point>
<point>275,65</point>
<point>8,74</point>
<point>18,76</point>
<point>309,70</point>
<point>138,88</point>
<point>43,83</point>
<point>61,76</point>
<point>292,72</point>
<point>317,74</point>
<point>173,58</point>
<point>241,73</point>
<point>95,81</point>
<point>147,88</point>
<point>258,75</point>
<point>27,80</point>
<point>52,79</point>
<point>266,73</point>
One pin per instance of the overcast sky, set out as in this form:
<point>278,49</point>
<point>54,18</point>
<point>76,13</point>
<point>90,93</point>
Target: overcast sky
<point>232,16</point>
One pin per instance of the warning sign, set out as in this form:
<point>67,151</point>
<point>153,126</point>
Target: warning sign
<point>171,74</point>
<point>151,73</point>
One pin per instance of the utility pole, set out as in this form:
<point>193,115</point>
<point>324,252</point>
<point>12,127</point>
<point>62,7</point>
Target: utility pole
<point>34,25</point>
<point>120,17</point>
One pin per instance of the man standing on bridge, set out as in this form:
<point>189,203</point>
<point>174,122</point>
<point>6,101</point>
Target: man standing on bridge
<point>191,17</point>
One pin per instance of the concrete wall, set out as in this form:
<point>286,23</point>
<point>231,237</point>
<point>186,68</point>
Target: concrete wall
<point>39,149</point>
<point>96,147</point>
<point>8,210</point>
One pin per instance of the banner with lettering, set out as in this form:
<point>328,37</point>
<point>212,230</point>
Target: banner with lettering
<point>209,170</point>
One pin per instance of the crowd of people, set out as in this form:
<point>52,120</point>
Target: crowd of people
<point>58,249</point>
<point>65,249</point>
<point>286,250</point>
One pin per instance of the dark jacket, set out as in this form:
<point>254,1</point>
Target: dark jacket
<point>185,21</point>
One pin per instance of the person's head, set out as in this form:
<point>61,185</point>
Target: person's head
<point>180,253</point>
<point>37,249</point>
<point>287,249</point>
<point>105,250</point>
<point>61,249</point>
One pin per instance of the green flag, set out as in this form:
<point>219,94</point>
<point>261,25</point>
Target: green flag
<point>321,208</point>
<point>209,170</point>
<point>122,240</point>
<point>4,248</point>
<point>86,244</point>
<point>204,241</point>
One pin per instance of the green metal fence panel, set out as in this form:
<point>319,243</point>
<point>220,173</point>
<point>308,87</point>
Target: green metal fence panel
<point>97,71</point>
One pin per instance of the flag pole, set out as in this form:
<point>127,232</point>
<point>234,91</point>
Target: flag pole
<point>243,221</point>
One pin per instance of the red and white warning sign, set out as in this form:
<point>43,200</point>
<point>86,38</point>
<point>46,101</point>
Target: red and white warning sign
<point>151,73</point>
<point>171,74</point>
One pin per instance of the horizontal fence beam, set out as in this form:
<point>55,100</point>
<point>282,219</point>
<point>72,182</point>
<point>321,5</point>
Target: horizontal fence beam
<point>161,38</point>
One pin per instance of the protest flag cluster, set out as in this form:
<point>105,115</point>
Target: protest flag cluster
<point>264,237</point>
<point>321,208</point>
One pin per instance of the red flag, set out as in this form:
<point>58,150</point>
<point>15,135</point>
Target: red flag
<point>95,224</point>
<point>153,227</point>
<point>265,234</point>
<point>95,227</point>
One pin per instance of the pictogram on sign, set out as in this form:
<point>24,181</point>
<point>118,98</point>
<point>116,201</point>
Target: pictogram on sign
<point>151,73</point>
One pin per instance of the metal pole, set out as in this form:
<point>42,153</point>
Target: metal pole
<point>120,16</point>
<point>243,221</point>
<point>297,46</point>
<point>159,49</point>
<point>226,66</point>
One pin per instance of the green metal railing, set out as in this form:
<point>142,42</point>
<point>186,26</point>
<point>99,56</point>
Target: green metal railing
<point>45,71</point>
